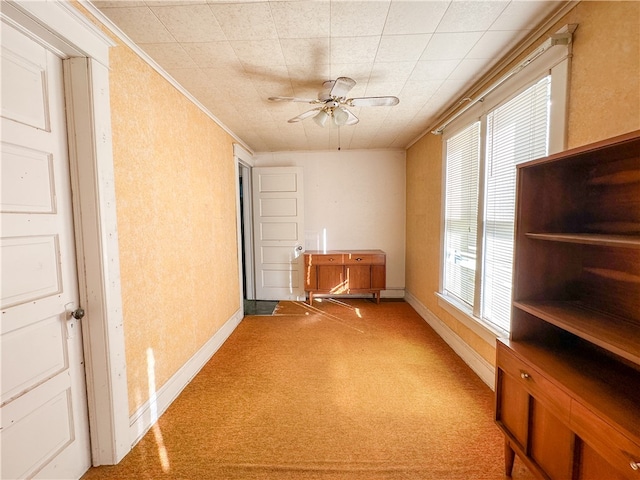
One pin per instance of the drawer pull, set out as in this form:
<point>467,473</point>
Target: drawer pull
<point>331,259</point>
<point>634,465</point>
<point>524,375</point>
<point>358,259</point>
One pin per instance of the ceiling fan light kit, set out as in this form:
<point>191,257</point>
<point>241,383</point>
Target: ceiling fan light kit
<point>321,118</point>
<point>334,102</point>
<point>340,116</point>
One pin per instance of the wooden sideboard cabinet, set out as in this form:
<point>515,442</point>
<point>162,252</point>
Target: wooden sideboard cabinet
<point>341,272</point>
<point>568,379</point>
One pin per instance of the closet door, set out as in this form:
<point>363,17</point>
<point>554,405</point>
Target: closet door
<point>278,218</point>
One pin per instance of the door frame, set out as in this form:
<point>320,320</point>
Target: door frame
<point>244,164</point>
<point>85,50</point>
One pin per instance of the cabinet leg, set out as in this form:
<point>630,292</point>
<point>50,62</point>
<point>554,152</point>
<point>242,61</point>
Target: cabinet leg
<point>310,298</point>
<point>509,458</point>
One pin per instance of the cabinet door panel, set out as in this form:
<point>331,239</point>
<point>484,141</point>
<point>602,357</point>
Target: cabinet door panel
<point>551,443</point>
<point>612,444</point>
<point>592,466</point>
<point>378,277</point>
<point>331,278</point>
<point>513,407</point>
<point>359,277</point>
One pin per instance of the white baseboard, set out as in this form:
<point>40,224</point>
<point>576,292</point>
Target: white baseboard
<point>144,418</point>
<point>479,365</point>
<point>393,293</point>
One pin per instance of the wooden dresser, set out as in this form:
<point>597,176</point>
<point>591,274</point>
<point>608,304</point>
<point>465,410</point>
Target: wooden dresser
<point>340,272</point>
<point>568,379</point>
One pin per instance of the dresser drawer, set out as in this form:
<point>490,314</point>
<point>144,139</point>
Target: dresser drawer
<point>323,259</point>
<point>534,382</point>
<point>608,441</point>
<point>363,259</point>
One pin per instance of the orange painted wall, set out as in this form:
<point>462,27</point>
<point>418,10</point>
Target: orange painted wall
<point>176,209</point>
<point>604,101</point>
<point>605,72</point>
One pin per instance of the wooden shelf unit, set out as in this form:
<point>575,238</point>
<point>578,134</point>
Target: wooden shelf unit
<point>568,379</point>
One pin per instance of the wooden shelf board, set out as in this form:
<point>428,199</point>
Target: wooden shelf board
<point>622,241</point>
<point>615,334</point>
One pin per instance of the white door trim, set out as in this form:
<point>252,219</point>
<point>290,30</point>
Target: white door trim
<point>247,222</point>
<point>60,27</point>
<point>244,162</point>
<point>92,179</point>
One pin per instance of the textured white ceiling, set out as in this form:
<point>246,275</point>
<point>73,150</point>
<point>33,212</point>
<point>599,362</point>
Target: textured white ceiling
<point>232,56</point>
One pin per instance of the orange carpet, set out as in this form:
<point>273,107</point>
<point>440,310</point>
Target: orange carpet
<point>341,390</point>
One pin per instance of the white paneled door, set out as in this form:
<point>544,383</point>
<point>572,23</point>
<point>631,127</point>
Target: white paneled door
<point>278,218</point>
<point>45,432</point>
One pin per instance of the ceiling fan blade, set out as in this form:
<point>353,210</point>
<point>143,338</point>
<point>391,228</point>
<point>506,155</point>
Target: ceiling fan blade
<point>293,99</point>
<point>307,114</point>
<point>373,102</point>
<point>342,86</point>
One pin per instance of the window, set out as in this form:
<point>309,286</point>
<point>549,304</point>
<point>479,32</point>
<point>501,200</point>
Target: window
<point>480,184</point>
<point>461,218</point>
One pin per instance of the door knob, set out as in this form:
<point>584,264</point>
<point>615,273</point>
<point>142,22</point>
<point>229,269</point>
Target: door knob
<point>78,313</point>
<point>299,248</point>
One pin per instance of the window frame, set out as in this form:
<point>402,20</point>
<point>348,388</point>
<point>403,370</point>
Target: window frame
<point>556,63</point>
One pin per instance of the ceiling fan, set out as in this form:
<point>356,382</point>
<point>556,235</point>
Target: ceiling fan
<point>332,101</point>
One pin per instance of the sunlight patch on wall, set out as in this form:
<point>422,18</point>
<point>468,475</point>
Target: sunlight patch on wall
<point>153,408</point>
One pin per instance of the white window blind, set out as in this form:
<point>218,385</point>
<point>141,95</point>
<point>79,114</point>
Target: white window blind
<point>517,131</point>
<point>480,197</point>
<point>461,213</point>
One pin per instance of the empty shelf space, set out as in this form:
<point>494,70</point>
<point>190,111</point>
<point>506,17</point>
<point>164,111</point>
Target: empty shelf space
<point>615,334</point>
<point>622,241</point>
